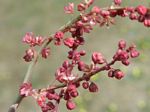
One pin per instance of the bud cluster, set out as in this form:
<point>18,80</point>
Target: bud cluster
<point>48,99</point>
<point>74,72</point>
<point>34,41</point>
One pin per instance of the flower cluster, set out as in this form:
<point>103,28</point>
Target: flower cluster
<point>48,98</point>
<point>33,41</point>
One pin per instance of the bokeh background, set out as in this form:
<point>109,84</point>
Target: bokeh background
<point>43,17</point>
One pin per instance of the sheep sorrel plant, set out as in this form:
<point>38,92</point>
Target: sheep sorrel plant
<point>48,98</point>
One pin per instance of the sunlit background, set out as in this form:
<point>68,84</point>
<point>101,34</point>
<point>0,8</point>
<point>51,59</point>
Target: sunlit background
<point>43,17</point>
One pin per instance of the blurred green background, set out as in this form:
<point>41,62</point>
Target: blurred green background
<point>43,17</point>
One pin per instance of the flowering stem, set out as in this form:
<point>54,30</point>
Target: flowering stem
<point>87,75</point>
<point>64,29</point>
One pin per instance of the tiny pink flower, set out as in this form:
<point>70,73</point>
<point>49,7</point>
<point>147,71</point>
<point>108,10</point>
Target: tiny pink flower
<point>45,52</point>
<point>142,10</point>
<point>69,42</point>
<point>25,89</point>
<point>121,55</point>
<point>81,7</point>
<point>96,9</point>
<point>134,53</point>
<point>70,105</point>
<point>97,58</point>
<point>39,40</point>
<point>59,35</point>
<point>29,39</point>
<point>30,53</point>
<point>122,44</point>
<point>41,100</point>
<point>117,2</point>
<point>64,75</point>
<point>69,9</point>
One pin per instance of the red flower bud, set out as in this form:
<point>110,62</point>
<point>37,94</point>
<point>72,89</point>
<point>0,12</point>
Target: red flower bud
<point>81,7</point>
<point>118,74</point>
<point>121,55</point>
<point>134,53</point>
<point>81,66</point>
<point>142,10</point>
<point>111,73</point>
<point>96,9</point>
<point>69,42</point>
<point>29,55</point>
<point>97,58</point>
<point>82,53</point>
<point>105,13</point>
<point>45,52</point>
<point>147,22</point>
<point>66,64</point>
<point>51,96</point>
<point>71,87</point>
<point>93,87</point>
<point>122,44</point>
<point>74,94</point>
<point>133,16</point>
<point>85,85</point>
<point>141,18</point>
<point>50,105</point>
<point>70,105</point>
<point>67,96</point>
<point>125,62</point>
